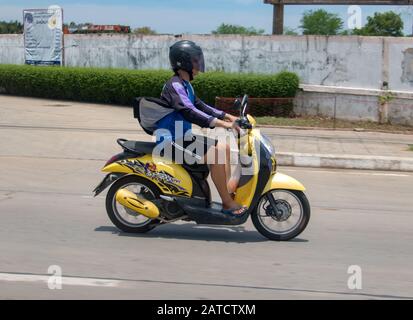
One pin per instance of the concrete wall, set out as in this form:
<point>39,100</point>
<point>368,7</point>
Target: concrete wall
<point>11,49</point>
<point>355,107</point>
<point>344,62</point>
<point>360,62</point>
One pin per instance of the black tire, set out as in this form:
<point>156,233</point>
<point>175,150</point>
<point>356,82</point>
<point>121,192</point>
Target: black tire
<point>296,231</point>
<point>119,184</point>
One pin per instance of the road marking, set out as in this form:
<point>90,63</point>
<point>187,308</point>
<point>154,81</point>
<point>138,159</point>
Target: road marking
<point>68,281</point>
<point>391,174</point>
<point>131,283</point>
<point>7,126</point>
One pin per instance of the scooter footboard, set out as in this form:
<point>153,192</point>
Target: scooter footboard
<point>211,215</point>
<point>282,181</point>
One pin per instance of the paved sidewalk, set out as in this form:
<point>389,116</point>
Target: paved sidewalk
<point>343,149</point>
<point>70,129</point>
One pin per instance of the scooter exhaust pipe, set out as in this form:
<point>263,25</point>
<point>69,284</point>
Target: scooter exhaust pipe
<point>140,205</point>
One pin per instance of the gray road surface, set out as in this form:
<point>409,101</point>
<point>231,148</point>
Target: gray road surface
<point>48,217</point>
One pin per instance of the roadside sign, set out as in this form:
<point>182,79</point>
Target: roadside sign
<point>43,36</point>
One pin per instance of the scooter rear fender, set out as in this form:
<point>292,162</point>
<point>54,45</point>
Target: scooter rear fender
<point>107,181</point>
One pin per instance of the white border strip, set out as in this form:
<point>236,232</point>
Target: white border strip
<point>68,281</point>
<point>345,161</point>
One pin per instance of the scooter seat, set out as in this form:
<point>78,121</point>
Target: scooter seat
<point>138,147</point>
<point>141,148</point>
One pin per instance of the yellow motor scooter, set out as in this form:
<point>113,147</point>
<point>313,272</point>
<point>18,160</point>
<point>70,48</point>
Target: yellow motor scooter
<point>147,192</point>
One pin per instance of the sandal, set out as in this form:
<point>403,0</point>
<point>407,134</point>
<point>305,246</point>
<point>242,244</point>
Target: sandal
<point>240,211</point>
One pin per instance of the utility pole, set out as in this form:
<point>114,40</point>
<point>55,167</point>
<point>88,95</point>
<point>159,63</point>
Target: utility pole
<point>278,19</point>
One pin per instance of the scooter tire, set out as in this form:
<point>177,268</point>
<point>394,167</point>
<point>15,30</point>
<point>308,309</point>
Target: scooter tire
<point>119,184</point>
<point>294,233</point>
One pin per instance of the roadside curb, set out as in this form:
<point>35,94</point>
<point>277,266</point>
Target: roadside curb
<point>345,161</point>
<point>408,132</point>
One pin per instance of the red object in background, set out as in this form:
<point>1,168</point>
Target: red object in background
<point>99,28</point>
<point>258,107</point>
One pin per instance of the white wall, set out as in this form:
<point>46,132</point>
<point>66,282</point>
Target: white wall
<point>341,71</point>
<point>11,49</point>
<point>359,62</point>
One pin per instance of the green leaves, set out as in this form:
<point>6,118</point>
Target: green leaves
<point>236,29</point>
<point>144,31</point>
<point>214,84</point>
<point>120,86</point>
<point>321,22</point>
<point>12,27</point>
<point>387,24</point>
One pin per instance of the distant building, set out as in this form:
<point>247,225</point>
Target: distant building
<point>92,28</point>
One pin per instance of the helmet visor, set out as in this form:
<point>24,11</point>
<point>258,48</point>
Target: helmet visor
<point>198,62</point>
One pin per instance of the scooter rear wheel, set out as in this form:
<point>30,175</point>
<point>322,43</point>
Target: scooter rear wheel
<point>282,217</point>
<point>124,218</point>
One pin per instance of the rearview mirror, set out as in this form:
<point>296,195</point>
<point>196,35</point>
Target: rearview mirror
<point>237,104</point>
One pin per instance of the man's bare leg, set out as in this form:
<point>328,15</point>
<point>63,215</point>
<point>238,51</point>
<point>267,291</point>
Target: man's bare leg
<point>231,184</point>
<point>219,177</point>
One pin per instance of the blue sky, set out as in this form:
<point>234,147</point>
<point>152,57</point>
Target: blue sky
<point>183,16</point>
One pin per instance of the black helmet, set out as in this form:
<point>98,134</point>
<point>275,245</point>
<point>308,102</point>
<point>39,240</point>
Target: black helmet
<point>186,55</point>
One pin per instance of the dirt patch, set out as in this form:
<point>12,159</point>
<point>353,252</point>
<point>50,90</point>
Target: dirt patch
<point>57,105</point>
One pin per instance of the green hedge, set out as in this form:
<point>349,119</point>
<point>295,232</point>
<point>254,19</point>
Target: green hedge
<point>119,86</point>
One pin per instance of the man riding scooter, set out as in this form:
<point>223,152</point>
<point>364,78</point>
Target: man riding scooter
<point>146,192</point>
<point>187,61</point>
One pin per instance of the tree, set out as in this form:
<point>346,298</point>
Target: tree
<point>11,27</point>
<point>144,31</point>
<point>321,22</point>
<point>236,29</point>
<point>387,24</point>
<point>290,32</point>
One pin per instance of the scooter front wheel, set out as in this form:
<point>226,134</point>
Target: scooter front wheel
<point>281,215</point>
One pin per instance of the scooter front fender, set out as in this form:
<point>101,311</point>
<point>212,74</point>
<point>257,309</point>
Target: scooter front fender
<point>282,181</point>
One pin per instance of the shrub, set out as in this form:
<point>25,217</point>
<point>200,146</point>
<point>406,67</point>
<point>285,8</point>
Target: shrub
<point>120,86</point>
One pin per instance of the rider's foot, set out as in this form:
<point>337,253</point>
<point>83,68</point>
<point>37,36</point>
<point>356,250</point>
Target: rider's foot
<point>238,211</point>
<point>234,209</point>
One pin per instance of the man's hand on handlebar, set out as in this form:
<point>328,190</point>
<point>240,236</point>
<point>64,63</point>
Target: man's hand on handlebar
<point>230,118</point>
<point>229,125</point>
